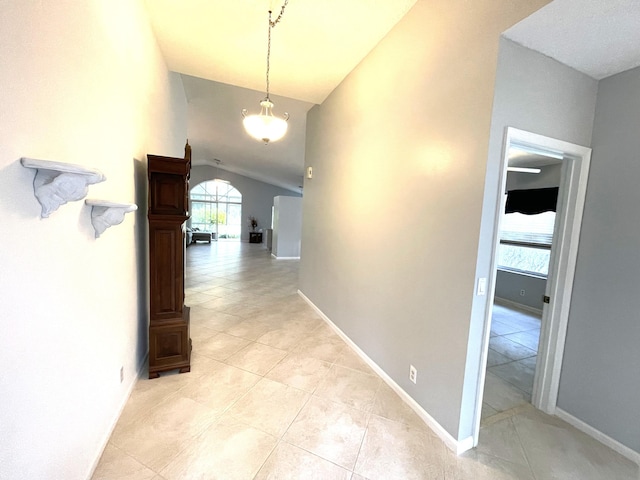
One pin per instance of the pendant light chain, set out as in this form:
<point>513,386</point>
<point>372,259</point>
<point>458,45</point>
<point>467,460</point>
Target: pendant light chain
<point>272,23</point>
<point>265,126</point>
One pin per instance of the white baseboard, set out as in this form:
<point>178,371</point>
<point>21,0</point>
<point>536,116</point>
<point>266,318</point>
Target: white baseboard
<point>285,258</point>
<point>457,446</point>
<point>123,404</point>
<point>598,435</point>
<point>519,306</point>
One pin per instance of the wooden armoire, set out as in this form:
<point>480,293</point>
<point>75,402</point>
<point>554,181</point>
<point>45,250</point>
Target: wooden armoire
<point>169,340</point>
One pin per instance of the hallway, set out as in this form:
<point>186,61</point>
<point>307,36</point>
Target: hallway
<point>274,393</point>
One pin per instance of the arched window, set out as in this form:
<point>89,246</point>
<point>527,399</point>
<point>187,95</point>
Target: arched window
<point>217,207</point>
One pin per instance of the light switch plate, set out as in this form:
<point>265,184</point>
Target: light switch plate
<point>482,286</point>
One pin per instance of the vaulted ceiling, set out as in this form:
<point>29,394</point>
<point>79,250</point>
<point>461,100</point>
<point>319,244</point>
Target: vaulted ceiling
<point>220,49</point>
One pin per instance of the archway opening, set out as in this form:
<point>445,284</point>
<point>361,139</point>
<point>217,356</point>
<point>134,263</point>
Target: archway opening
<point>216,207</point>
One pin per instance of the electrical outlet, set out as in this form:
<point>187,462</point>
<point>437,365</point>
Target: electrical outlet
<point>522,293</point>
<point>413,374</point>
<point>121,374</point>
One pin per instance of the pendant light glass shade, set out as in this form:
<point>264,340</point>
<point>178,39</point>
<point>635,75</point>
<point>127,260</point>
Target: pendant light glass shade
<point>264,126</point>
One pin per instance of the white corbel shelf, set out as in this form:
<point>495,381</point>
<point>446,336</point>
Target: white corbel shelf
<point>105,214</point>
<point>57,183</point>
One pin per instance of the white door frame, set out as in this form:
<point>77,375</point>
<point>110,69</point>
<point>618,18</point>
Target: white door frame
<point>575,170</point>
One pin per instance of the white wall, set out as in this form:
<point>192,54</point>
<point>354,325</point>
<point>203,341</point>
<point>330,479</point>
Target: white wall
<point>287,227</point>
<point>81,82</point>
<point>600,372</point>
<point>257,197</point>
<point>392,215</point>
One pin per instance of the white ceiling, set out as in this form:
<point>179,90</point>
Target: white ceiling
<point>216,132</point>
<point>597,37</point>
<point>224,43</point>
<point>317,43</point>
<point>313,48</point>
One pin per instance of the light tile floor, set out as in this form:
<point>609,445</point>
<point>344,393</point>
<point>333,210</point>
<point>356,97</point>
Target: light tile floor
<point>511,364</point>
<point>275,394</point>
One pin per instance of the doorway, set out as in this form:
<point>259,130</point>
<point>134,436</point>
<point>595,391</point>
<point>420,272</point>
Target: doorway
<point>524,250</point>
<point>575,161</point>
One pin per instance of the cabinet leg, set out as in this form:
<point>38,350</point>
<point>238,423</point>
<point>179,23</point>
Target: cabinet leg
<point>153,375</point>
<point>185,369</point>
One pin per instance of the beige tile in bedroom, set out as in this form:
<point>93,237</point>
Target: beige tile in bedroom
<point>529,338</point>
<point>518,373</point>
<point>496,358</point>
<point>509,349</point>
<point>501,395</point>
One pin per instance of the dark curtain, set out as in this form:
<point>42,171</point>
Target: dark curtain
<point>532,202</point>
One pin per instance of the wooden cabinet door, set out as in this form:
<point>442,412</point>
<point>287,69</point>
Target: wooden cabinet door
<point>166,262</point>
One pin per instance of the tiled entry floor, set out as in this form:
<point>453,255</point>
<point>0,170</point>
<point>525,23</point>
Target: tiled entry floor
<point>275,394</point>
<point>511,363</point>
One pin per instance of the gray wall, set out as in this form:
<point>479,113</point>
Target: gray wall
<point>509,284</point>
<point>287,227</point>
<point>257,197</point>
<point>390,222</point>
<point>537,94</point>
<point>600,381</point>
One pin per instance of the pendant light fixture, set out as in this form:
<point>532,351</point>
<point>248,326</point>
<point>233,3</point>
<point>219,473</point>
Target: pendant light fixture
<point>265,126</point>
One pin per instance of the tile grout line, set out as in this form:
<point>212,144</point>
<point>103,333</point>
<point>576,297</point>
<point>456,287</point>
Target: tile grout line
<point>524,450</point>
